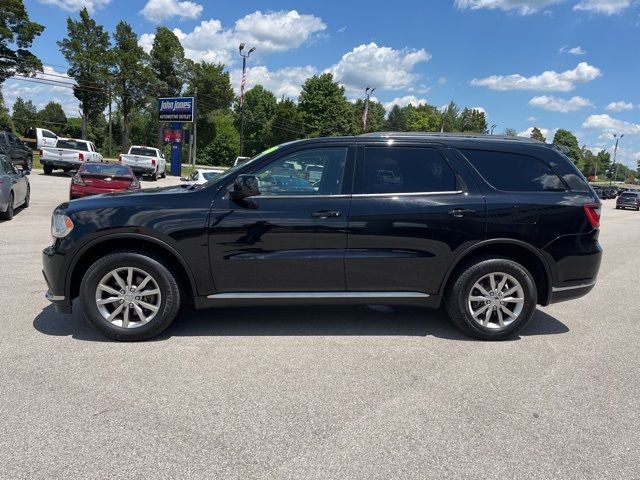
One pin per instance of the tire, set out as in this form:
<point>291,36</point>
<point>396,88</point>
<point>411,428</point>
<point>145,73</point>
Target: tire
<point>28,164</point>
<point>48,169</point>
<point>463,288</point>
<point>27,198</point>
<point>164,174</point>
<point>8,214</point>
<point>154,176</point>
<point>167,300</point>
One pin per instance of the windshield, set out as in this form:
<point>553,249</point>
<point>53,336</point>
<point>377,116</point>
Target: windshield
<point>145,152</point>
<point>210,175</point>
<point>72,145</point>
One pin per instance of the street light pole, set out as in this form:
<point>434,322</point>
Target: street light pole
<point>615,154</point>
<point>243,83</point>
<point>365,113</point>
<point>492,128</point>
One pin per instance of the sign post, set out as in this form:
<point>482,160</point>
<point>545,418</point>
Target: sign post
<point>177,110</point>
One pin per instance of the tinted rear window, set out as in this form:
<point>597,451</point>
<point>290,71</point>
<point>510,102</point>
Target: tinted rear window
<point>145,152</point>
<point>629,195</point>
<point>72,145</point>
<point>514,172</point>
<point>107,169</point>
<point>406,170</point>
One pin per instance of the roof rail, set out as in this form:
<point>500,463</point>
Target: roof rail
<point>437,135</point>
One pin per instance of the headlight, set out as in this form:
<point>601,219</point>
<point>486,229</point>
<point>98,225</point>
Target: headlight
<point>61,225</point>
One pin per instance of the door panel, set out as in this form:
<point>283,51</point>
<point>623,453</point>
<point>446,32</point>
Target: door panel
<point>282,240</point>
<point>406,241</point>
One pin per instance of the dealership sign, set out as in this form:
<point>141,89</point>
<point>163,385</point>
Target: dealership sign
<point>176,109</point>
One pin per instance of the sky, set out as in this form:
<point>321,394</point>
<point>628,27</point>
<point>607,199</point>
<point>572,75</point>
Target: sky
<point>572,64</point>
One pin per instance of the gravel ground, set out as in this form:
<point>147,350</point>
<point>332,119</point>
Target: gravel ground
<point>332,392</point>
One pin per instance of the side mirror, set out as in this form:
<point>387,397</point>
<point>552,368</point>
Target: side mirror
<point>184,179</point>
<point>245,186</point>
<point>26,172</point>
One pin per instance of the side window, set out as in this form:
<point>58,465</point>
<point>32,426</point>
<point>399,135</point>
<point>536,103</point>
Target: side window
<point>8,166</point>
<point>317,171</point>
<point>194,176</point>
<point>3,169</point>
<point>406,170</point>
<point>12,139</point>
<point>514,172</point>
<point>48,134</point>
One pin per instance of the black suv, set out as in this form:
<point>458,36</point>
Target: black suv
<point>19,153</point>
<point>487,226</point>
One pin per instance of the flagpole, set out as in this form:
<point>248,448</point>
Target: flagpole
<point>243,83</point>
<point>365,114</point>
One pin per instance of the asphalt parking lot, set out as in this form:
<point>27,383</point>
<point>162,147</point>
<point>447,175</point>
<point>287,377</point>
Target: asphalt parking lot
<point>305,393</point>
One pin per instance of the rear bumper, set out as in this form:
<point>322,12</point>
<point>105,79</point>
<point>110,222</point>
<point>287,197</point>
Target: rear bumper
<point>78,191</point>
<point>142,170</point>
<point>571,292</point>
<point>60,163</point>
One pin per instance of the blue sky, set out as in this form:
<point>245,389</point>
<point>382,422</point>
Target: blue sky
<point>569,64</point>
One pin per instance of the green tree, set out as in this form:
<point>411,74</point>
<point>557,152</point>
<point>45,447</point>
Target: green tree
<point>168,66</point>
<point>324,108</point>
<point>375,118</point>
<point>226,144</point>
<point>474,121</point>
<point>131,75</point>
<point>569,140</point>
<point>536,134</point>
<point>259,109</point>
<point>5,119</point>
<point>424,118</point>
<point>397,119</point>
<point>510,132</point>
<point>286,124</point>
<point>590,165</point>
<point>87,50</point>
<point>17,33</point>
<point>451,118</point>
<point>24,115</point>
<point>52,116</point>
<point>213,85</point>
<point>604,162</point>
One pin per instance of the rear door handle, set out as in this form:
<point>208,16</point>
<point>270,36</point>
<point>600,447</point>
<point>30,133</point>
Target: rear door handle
<point>325,214</point>
<point>460,212</point>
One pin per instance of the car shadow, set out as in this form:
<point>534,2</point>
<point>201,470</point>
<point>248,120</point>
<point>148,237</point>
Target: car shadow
<point>371,320</point>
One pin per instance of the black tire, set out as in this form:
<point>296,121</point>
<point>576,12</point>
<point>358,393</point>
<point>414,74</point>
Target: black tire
<point>154,176</point>
<point>28,164</point>
<point>457,299</point>
<point>169,302</point>
<point>164,173</point>
<point>27,198</point>
<point>48,169</point>
<point>8,214</point>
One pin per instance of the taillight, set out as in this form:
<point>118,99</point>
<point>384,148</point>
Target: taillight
<point>120,158</point>
<point>153,162</point>
<point>592,212</point>
<point>41,153</point>
<point>77,180</point>
<point>81,157</point>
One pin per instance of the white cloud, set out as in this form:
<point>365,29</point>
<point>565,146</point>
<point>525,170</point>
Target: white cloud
<point>159,10</point>
<point>608,125</point>
<point>379,66</point>
<point>442,80</point>
<point>404,101</point>
<point>285,81</point>
<point>532,119</point>
<point>573,51</point>
<point>555,104</point>
<point>146,41</point>
<point>77,5</point>
<point>619,106</point>
<point>269,32</point>
<point>608,7</point>
<point>523,7</point>
<point>547,81</point>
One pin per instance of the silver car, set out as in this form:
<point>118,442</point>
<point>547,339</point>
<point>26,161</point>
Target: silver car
<point>14,188</point>
<point>198,177</point>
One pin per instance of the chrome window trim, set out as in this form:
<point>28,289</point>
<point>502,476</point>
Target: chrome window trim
<point>407,194</point>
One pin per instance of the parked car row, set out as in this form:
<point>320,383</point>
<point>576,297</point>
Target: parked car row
<point>15,190</point>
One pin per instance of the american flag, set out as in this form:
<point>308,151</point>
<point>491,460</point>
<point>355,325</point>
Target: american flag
<point>242,85</point>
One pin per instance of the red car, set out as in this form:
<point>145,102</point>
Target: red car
<point>96,178</point>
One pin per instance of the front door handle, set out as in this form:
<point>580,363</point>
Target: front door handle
<point>460,212</point>
<point>325,214</point>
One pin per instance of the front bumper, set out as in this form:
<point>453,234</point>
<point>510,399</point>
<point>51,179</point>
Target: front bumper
<point>54,271</point>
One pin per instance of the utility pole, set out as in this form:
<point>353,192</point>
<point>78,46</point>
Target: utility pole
<point>243,83</point>
<point>615,154</point>
<point>110,131</point>
<point>365,114</point>
<point>194,137</point>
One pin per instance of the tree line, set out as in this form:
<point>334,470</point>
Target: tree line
<point>112,69</point>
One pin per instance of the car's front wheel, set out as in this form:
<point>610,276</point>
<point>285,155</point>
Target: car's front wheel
<point>129,296</point>
<point>492,299</point>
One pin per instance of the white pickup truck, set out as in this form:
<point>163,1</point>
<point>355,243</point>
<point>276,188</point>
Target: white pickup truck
<point>68,154</point>
<point>145,161</point>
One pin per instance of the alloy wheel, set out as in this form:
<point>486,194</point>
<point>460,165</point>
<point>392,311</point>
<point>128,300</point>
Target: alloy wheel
<point>496,300</point>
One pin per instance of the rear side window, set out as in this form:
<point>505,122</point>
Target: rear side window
<point>406,170</point>
<point>48,134</point>
<point>514,172</point>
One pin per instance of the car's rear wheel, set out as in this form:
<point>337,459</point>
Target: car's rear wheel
<point>8,213</point>
<point>129,296</point>
<point>492,299</point>
<point>154,176</point>
<point>48,170</point>
<point>27,198</point>
<point>28,164</point>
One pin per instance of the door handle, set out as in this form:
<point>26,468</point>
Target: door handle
<point>460,212</point>
<point>325,214</point>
